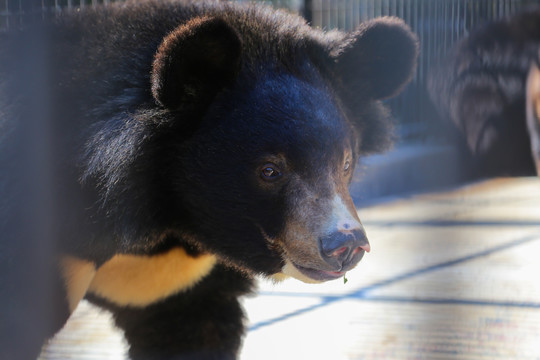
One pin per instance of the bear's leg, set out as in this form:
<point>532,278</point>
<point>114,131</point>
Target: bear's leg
<point>203,323</point>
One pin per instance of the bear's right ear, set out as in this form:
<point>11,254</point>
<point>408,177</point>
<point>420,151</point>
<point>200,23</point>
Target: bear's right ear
<point>195,61</point>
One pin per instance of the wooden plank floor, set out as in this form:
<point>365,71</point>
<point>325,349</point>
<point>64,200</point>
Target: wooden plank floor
<point>451,275</point>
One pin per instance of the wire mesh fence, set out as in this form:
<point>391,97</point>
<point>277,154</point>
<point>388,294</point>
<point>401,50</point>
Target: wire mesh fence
<point>438,23</point>
<point>15,13</point>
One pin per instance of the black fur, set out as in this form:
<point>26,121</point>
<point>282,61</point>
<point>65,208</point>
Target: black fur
<point>133,138</point>
<point>480,87</point>
<point>212,317</point>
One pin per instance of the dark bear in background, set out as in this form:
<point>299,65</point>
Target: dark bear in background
<point>533,110</point>
<point>480,87</point>
<point>156,156</point>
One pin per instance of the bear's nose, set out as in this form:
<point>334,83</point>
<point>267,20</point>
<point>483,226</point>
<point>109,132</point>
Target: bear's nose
<point>342,251</point>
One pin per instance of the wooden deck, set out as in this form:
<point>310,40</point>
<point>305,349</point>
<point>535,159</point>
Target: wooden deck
<point>451,275</point>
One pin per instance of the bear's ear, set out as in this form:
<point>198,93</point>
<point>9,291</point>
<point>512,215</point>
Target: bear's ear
<point>195,61</point>
<point>378,58</point>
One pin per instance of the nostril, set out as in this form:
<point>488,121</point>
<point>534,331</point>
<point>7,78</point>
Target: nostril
<point>340,251</point>
<point>364,247</point>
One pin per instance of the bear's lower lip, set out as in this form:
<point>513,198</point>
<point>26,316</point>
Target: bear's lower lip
<point>320,275</point>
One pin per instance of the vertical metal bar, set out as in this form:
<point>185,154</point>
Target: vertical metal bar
<point>458,19</point>
<point>472,14</point>
<point>327,14</point>
<point>338,14</point>
<point>313,14</point>
<point>21,15</point>
<point>356,18</point>
<point>328,6</point>
<point>408,14</point>
<point>333,14</point>
<point>452,24</point>
<point>345,14</point>
<point>307,11</point>
<point>420,21</point>
<point>336,8</point>
<point>467,20</point>
<point>464,15</point>
<point>342,14</point>
<point>445,27</point>
<point>350,14</point>
<point>319,14</point>
<point>33,244</point>
<point>324,14</point>
<point>6,16</point>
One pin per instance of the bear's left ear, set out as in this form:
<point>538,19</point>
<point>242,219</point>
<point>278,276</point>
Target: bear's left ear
<point>195,61</point>
<point>378,59</point>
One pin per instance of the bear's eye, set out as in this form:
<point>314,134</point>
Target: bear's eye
<point>270,172</point>
<point>347,166</point>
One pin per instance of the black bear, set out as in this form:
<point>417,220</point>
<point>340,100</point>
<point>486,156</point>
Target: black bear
<point>480,88</point>
<point>533,110</point>
<point>155,156</point>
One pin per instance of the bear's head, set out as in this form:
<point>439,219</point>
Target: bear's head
<point>270,124</point>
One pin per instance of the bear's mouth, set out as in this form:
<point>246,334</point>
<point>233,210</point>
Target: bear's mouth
<point>310,275</point>
<point>319,275</point>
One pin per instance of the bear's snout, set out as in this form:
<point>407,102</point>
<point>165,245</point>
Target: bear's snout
<point>342,251</point>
